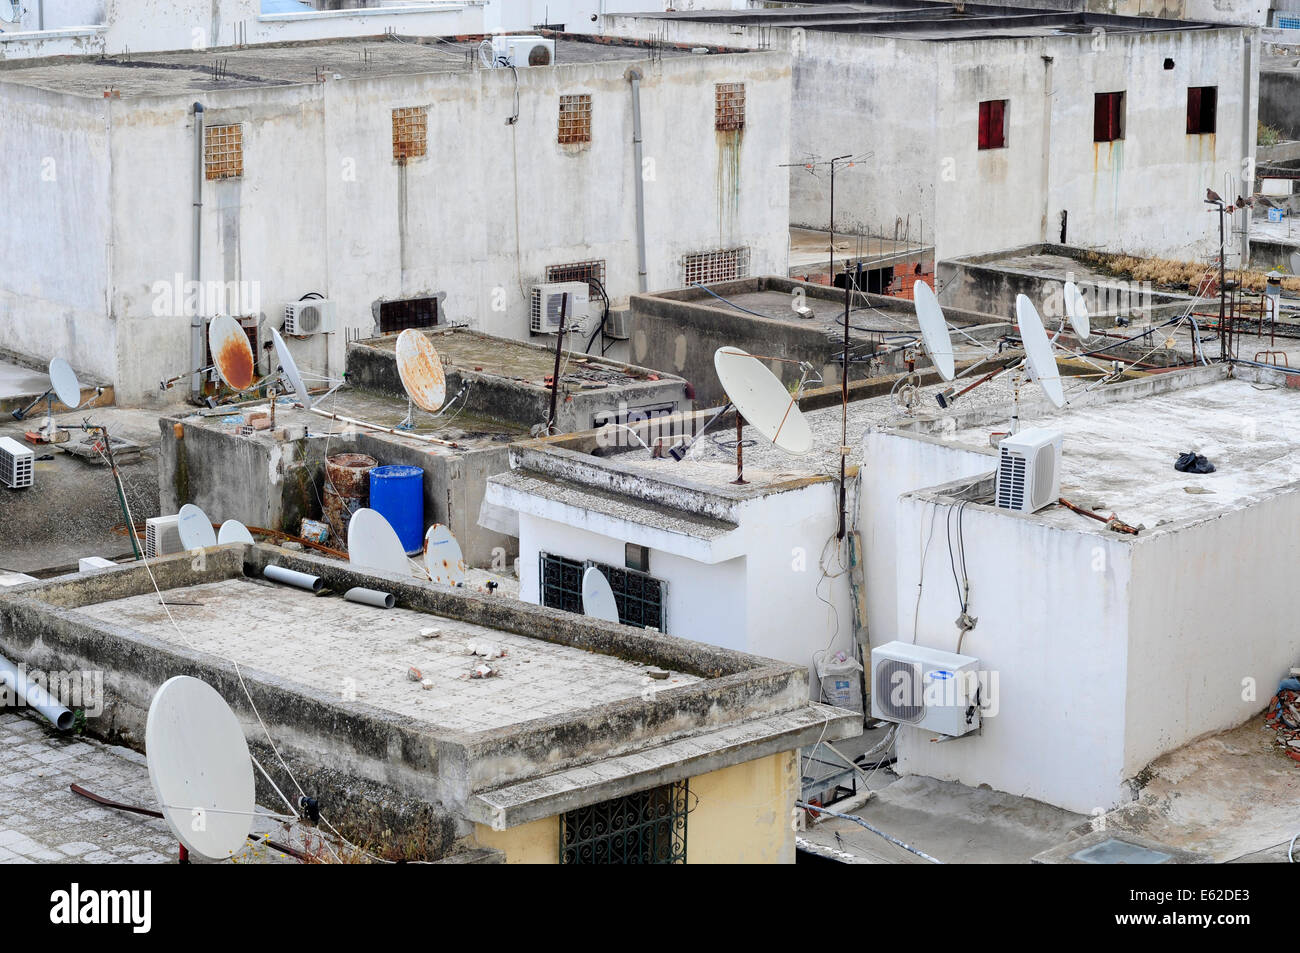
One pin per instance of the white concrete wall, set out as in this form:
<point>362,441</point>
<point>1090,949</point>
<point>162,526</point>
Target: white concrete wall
<point>322,206</point>
<point>55,244</point>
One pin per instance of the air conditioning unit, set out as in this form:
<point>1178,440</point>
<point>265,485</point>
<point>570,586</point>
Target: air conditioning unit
<point>161,536</point>
<point>1029,470</point>
<point>545,313</point>
<point>313,316</point>
<point>522,51</point>
<point>616,326</point>
<point>927,688</point>
<point>16,463</point>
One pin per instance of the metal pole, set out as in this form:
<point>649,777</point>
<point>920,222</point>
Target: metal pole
<point>555,377</point>
<point>196,319</point>
<point>634,77</point>
<point>1223,340</point>
<point>740,449</point>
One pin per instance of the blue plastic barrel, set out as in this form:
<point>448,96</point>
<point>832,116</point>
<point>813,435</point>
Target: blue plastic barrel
<point>397,494</point>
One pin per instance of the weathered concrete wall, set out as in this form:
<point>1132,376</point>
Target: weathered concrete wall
<point>1279,101</point>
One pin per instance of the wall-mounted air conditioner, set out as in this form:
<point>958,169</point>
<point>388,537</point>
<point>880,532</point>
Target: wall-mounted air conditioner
<point>16,464</point>
<point>927,688</point>
<point>616,326</point>
<point>544,315</point>
<point>313,316</point>
<point>161,536</point>
<point>1029,470</point>
<point>526,50</point>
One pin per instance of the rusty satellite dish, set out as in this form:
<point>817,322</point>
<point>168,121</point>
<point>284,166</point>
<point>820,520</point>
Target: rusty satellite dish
<point>421,371</point>
<point>442,555</point>
<point>232,355</point>
<point>761,398</point>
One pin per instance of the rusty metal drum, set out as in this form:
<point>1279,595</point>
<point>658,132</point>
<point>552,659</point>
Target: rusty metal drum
<point>346,490</point>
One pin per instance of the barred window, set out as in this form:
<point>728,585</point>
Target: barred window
<point>639,596</point>
<point>223,152</point>
<point>407,313</point>
<point>410,132</point>
<point>648,827</point>
<point>707,267</point>
<point>729,106</point>
<point>592,272</point>
<point>575,118</point>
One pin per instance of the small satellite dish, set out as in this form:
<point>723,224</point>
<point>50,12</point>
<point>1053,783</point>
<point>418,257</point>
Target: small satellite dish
<point>232,355</point>
<point>64,383</point>
<point>442,555</point>
<point>195,528</point>
<point>233,531</point>
<point>290,369</point>
<point>421,371</point>
<point>1038,350</point>
<point>1077,310</point>
<point>597,598</point>
<point>373,544</point>
<point>934,330</point>
<point>10,10</point>
<point>762,400</point>
<point>199,767</point>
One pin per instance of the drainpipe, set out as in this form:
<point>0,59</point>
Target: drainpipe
<point>29,693</point>
<point>196,319</point>
<point>1247,127</point>
<point>1047,150</point>
<point>634,77</point>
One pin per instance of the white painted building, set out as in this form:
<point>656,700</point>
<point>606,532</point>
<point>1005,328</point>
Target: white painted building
<point>997,127</point>
<point>368,173</point>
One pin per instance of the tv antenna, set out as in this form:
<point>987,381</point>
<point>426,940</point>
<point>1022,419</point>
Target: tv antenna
<point>811,165</point>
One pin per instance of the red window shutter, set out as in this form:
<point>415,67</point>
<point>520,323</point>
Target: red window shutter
<point>984,125</point>
<point>1209,108</point>
<point>1193,110</point>
<point>996,137</point>
<point>1100,118</point>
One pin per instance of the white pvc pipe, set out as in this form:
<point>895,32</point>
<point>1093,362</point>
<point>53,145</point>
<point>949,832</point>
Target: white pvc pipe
<point>291,577</point>
<point>371,597</point>
<point>32,695</point>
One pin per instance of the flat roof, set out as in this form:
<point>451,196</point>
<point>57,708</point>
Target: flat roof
<point>187,72</point>
<point>928,20</point>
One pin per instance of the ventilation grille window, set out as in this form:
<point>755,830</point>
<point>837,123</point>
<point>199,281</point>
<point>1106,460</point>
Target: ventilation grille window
<point>729,106</point>
<point>648,827</point>
<point>223,152</point>
<point>411,313</point>
<point>639,596</point>
<point>410,132</point>
<point>712,266</point>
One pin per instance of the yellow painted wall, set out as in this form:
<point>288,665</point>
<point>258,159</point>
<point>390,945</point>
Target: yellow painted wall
<point>741,815</point>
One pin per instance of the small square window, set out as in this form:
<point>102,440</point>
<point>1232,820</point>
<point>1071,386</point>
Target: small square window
<point>993,124</point>
<point>1202,104</point>
<point>410,132</point>
<point>1108,117</point>
<point>729,106</point>
<point>575,118</point>
<point>636,557</point>
<point>223,152</point>
<point>407,313</point>
<point>592,272</point>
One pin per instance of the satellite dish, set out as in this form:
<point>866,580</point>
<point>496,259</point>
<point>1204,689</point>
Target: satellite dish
<point>195,528</point>
<point>64,383</point>
<point>934,330</point>
<point>1295,263</point>
<point>199,767</point>
<point>373,544</point>
<point>1077,309</point>
<point>1038,350</point>
<point>232,355</point>
<point>290,369</point>
<point>442,555</point>
<point>421,370</point>
<point>233,531</point>
<point>762,400</point>
<point>10,10</point>
<point>597,598</point>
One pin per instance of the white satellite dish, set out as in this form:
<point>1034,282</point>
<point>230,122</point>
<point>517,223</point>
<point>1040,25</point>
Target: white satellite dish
<point>1295,263</point>
<point>373,544</point>
<point>762,400</point>
<point>934,330</point>
<point>597,598</point>
<point>232,355</point>
<point>1038,350</point>
<point>233,531</point>
<point>290,369</point>
<point>420,369</point>
<point>1077,310</point>
<point>442,556</point>
<point>64,383</point>
<point>195,528</point>
<point>199,767</point>
<point>10,10</point>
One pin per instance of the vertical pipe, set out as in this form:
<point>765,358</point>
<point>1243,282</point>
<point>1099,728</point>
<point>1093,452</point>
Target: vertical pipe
<point>1247,129</point>
<point>555,376</point>
<point>196,319</point>
<point>634,77</point>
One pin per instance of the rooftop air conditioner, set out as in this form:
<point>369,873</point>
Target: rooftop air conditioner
<point>161,536</point>
<point>545,312</point>
<point>16,463</point>
<point>528,50</point>
<point>616,326</point>
<point>1029,470</point>
<point>313,316</point>
<point>927,688</point>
